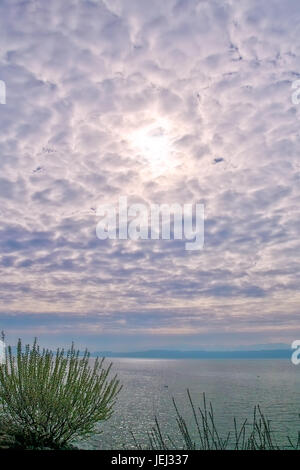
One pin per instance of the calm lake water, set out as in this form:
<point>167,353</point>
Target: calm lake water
<point>233,386</point>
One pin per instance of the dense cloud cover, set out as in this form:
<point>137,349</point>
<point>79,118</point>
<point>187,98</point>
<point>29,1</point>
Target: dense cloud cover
<point>84,79</point>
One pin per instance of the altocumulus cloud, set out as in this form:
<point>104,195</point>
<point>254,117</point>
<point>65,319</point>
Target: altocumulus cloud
<point>87,83</point>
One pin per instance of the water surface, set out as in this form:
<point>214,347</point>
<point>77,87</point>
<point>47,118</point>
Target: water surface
<point>234,386</point>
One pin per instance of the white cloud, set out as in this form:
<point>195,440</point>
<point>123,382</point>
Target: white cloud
<point>82,77</point>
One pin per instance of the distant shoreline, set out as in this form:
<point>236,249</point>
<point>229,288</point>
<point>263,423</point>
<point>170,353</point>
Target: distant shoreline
<point>169,354</point>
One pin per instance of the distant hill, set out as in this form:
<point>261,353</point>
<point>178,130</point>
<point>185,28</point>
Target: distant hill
<point>177,354</point>
<point>169,354</point>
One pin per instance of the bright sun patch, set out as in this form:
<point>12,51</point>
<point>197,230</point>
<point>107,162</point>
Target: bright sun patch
<point>154,144</point>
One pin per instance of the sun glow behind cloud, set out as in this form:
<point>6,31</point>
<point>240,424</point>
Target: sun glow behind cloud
<point>153,143</point>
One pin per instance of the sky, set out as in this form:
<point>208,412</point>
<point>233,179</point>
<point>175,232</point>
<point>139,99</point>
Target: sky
<point>174,101</point>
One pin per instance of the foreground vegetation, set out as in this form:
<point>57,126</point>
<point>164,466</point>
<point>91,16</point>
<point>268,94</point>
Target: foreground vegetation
<point>255,434</point>
<point>50,400</point>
